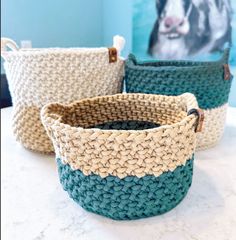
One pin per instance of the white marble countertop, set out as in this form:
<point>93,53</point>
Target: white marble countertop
<point>34,206</point>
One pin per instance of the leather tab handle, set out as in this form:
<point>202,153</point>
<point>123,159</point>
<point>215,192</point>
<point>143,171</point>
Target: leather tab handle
<point>199,112</point>
<point>227,74</point>
<point>112,52</point>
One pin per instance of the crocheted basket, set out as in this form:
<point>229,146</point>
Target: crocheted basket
<point>40,76</point>
<point>114,159</point>
<point>210,82</point>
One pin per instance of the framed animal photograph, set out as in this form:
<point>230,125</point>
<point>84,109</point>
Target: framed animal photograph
<point>183,29</point>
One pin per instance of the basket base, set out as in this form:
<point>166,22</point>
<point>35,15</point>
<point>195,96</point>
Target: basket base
<point>128,198</point>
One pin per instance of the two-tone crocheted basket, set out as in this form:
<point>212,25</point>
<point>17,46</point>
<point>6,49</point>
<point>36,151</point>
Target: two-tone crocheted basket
<point>39,76</point>
<point>125,156</point>
<point>210,82</point>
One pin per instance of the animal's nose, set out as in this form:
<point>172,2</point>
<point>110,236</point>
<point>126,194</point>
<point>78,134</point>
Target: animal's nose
<point>173,22</point>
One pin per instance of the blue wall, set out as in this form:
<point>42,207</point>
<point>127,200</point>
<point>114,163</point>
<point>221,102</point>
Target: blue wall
<point>53,23</point>
<point>63,23</point>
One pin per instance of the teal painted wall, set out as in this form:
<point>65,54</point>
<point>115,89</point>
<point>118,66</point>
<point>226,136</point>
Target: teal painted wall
<point>232,96</point>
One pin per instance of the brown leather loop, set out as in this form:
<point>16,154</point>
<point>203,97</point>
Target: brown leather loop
<point>112,54</point>
<point>199,112</point>
<point>226,72</point>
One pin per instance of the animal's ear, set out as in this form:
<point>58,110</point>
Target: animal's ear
<point>160,4</point>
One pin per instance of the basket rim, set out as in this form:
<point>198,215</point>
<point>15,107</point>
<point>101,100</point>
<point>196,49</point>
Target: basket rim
<point>56,122</point>
<point>57,51</point>
<point>132,63</point>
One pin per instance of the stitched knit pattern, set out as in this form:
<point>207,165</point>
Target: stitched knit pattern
<point>123,153</point>
<point>204,79</point>
<point>128,198</point>
<point>213,127</point>
<point>40,76</point>
<point>115,159</point>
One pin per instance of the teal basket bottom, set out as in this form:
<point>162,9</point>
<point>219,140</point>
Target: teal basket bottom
<point>130,197</point>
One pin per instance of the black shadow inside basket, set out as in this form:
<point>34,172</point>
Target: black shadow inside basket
<point>126,125</point>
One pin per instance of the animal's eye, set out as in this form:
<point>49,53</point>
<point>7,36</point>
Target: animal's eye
<point>181,23</point>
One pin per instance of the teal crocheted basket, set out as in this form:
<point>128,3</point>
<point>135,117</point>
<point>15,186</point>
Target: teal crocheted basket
<point>125,156</point>
<point>210,82</point>
<point>128,198</point>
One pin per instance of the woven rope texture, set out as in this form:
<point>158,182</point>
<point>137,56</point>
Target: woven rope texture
<point>214,121</point>
<point>40,76</point>
<point>125,156</point>
<point>128,198</point>
<point>119,152</point>
<point>206,80</point>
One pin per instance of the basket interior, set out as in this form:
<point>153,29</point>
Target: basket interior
<point>180,63</point>
<point>123,114</point>
<point>127,125</point>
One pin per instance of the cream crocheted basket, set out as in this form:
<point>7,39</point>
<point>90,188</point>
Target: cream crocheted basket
<point>136,171</point>
<point>40,76</point>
